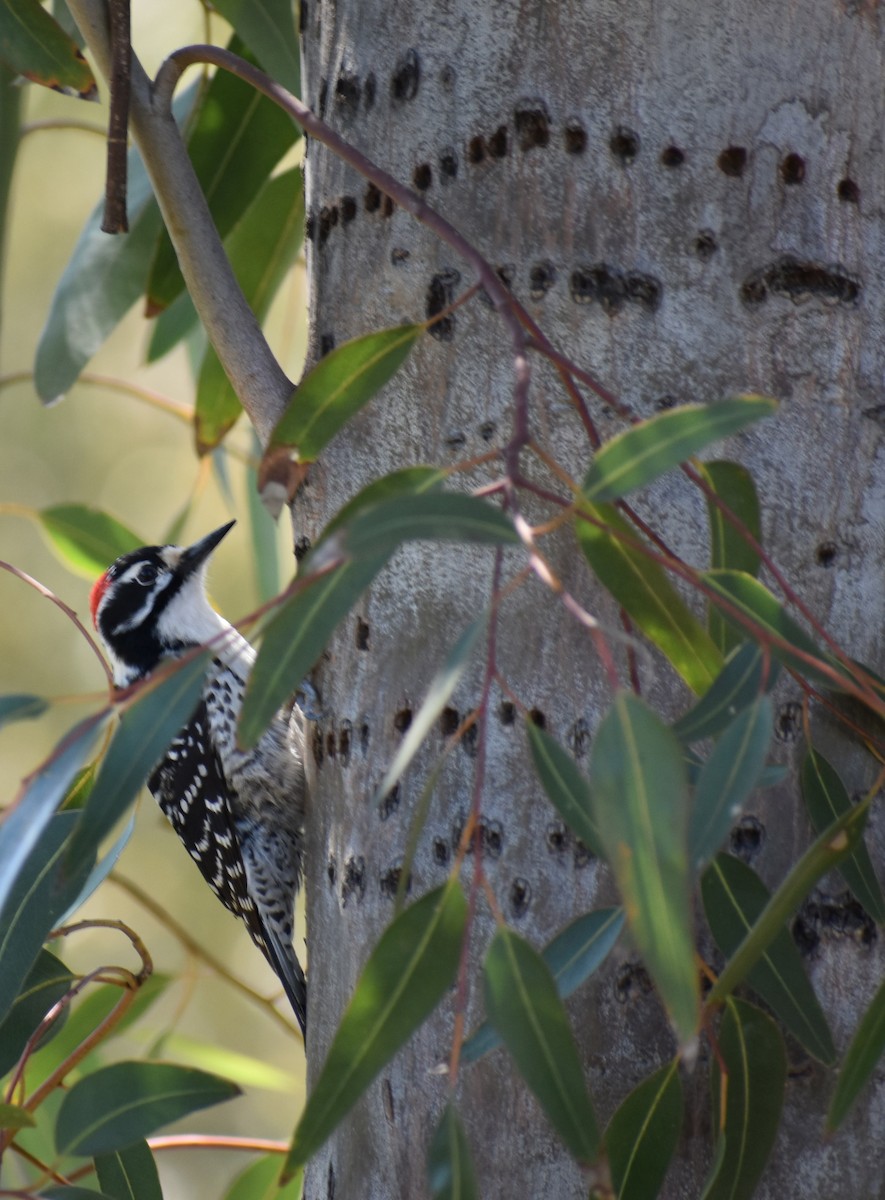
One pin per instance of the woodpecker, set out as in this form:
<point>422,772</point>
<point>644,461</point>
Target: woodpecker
<point>239,813</point>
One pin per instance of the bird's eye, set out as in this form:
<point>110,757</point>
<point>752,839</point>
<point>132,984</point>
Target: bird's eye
<point>147,573</point>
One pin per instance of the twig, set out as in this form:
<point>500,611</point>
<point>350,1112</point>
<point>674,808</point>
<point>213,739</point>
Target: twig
<point>114,219</point>
<point>205,1141</point>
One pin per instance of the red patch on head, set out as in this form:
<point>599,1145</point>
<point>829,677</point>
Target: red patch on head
<point>98,590</point>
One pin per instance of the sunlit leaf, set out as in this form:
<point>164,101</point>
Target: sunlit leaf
<point>21,708</point>
<point>826,800</point>
<point>405,978</point>
<point>236,138</point>
<point>861,1059</point>
<point>525,1008</point>
<point>115,1106</point>
<point>33,44</point>
<point>645,451</point>
<point>641,799</point>
<point>260,1181</point>
<point>753,1051</point>
<point>47,981</point>
<point>643,590</point>
<point>86,540</point>
<point>263,535</point>
<point>338,387</point>
<point>268,29</point>
<point>642,1135</point>
<point>744,676</point>
<point>262,248</point>
<point>733,485</point>
<point>825,853</point>
<point>734,898</point>
<point>449,1163</point>
<point>572,957</point>
<point>13,1117</point>
<point>129,1174</point>
<point>447,516</point>
<point>244,1069</point>
<point>567,788</point>
<point>441,687</point>
<point>727,778</point>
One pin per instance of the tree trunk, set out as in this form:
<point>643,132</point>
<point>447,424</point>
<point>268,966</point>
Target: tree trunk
<point>687,196</point>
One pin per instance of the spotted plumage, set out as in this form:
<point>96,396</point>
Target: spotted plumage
<point>239,813</point>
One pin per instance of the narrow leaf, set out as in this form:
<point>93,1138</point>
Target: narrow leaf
<point>733,485</point>
<point>827,852</point>
<point>641,798</point>
<point>262,248</point>
<point>645,451</point>
<point>21,708</point>
<point>861,1058</point>
<point>727,778</point>
<point>642,1135</point>
<point>261,1181</point>
<point>826,800</point>
<point>567,788</point>
<point>267,28</point>
<point>756,1061</point>
<point>744,676</point>
<point>338,387</point>
<point>447,516</point>
<point>13,1117</point>
<point>441,687</point>
<point>572,957</point>
<point>86,539</point>
<point>449,1164</point>
<point>643,590</point>
<point>129,1174</point>
<point>47,981</point>
<point>523,1005</point>
<point>404,980</point>
<point>236,138</point>
<point>115,1106</point>
<point>33,44</point>
<point>734,898</point>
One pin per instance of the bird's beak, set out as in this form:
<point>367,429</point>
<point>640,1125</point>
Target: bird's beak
<point>193,557</point>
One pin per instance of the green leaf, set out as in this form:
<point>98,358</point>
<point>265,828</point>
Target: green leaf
<point>237,137</point>
<point>13,1117</point>
<point>404,980</point>
<point>640,794</point>
<point>33,44</point>
<point>643,590</point>
<point>642,1135</point>
<point>566,786</point>
<point>523,1005</point>
<point>129,1174</point>
<point>448,516</point>
<point>744,676</point>
<point>297,633</point>
<point>733,484</point>
<point>263,535</point>
<point>734,898</point>
<point>642,453</point>
<point>146,728</point>
<point>260,1181</point>
<point>261,248</point>
<point>826,800</point>
<point>441,687</point>
<point>86,539</point>
<point>572,957</point>
<point>338,387</point>
<point>24,822</point>
<point>770,620</point>
<point>268,29</point>
<point>39,897</point>
<point>47,981</point>
<point>120,1104</point>
<point>21,708</point>
<point>754,1055</point>
<point>103,279</point>
<point>727,778</point>
<point>861,1059</point>
<point>827,852</point>
<point>449,1164</point>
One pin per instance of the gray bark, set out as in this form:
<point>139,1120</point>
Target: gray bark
<point>724,162</point>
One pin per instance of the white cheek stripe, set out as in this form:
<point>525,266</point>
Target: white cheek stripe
<point>146,609</point>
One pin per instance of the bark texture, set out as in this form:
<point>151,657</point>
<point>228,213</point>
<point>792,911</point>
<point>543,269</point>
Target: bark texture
<point>689,197</point>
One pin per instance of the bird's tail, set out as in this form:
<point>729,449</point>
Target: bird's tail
<point>283,959</point>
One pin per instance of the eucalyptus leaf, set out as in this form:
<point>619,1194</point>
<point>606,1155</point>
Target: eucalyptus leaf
<point>744,676</point>
<point>86,539</point>
<point>861,1059</point>
<point>643,1133</point>
<point>129,1174</point>
<point>449,1164</point>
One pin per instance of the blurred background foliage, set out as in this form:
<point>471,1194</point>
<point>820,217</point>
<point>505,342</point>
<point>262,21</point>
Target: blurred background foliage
<point>101,447</point>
